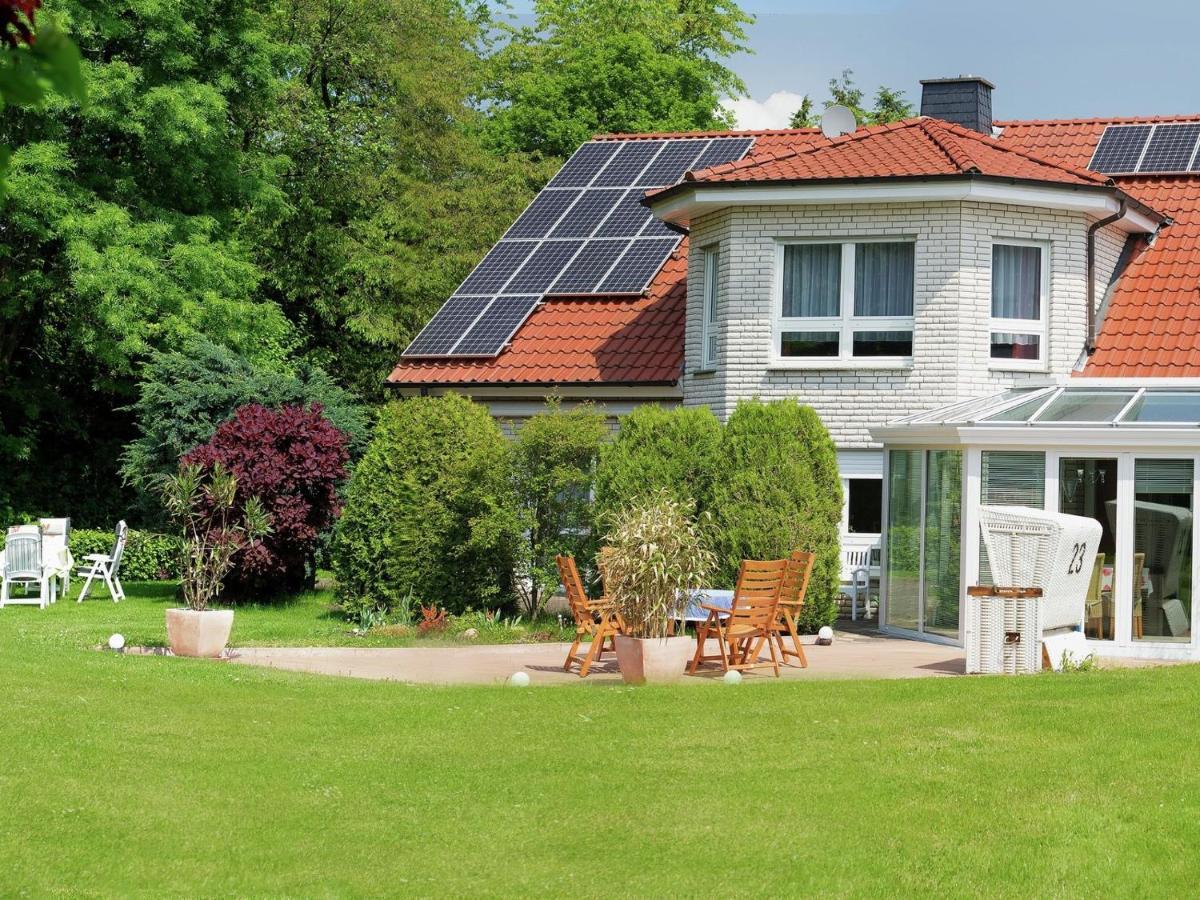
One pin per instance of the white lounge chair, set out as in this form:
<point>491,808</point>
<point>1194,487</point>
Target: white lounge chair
<point>56,538</point>
<point>23,566</point>
<point>99,565</point>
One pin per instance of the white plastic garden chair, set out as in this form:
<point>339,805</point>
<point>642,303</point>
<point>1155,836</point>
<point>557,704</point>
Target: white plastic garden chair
<point>56,537</point>
<point>23,566</point>
<point>98,565</point>
<point>857,566</point>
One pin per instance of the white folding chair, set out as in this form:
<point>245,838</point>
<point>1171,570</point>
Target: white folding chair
<point>23,566</point>
<point>56,538</point>
<point>99,565</point>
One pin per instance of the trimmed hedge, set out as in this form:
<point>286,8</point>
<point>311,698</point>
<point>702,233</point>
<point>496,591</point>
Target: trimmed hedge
<point>677,449</point>
<point>779,489</point>
<point>148,556</point>
<point>430,512</point>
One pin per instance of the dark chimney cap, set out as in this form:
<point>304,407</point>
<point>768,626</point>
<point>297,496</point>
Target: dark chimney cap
<point>965,100</point>
<point>957,79</point>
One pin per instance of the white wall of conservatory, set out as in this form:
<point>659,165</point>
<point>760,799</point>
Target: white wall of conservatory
<point>1124,454</point>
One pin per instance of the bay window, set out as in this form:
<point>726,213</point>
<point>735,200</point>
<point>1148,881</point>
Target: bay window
<point>845,300</point>
<point>1019,301</point>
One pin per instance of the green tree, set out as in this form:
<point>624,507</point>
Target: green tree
<point>677,450</point>
<point>388,195</point>
<point>590,66</point>
<point>119,235</point>
<point>778,491</point>
<point>34,60</point>
<point>430,514</point>
<point>889,105</point>
<point>554,460</point>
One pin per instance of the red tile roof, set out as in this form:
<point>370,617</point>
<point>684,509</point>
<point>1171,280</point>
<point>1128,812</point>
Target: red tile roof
<point>595,340</point>
<point>1070,142</point>
<point>913,148</point>
<point>1151,327</point>
<point>1152,324</point>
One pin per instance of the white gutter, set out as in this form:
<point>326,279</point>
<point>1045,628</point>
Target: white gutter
<point>701,199</point>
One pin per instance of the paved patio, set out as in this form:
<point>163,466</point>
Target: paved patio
<point>852,655</point>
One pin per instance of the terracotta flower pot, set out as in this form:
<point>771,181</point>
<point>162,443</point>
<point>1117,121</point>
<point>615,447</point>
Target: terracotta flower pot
<point>201,634</point>
<point>653,660</point>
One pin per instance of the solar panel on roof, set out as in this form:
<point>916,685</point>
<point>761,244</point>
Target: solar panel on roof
<point>1171,147</point>
<point>1120,148</point>
<point>543,266</point>
<point>581,220</point>
<point>624,169</point>
<point>543,214</point>
<point>588,269</point>
<point>672,161</point>
<point>443,331</point>
<point>723,150</point>
<point>497,267</point>
<point>496,326</point>
<point>628,217</point>
<point>586,232</point>
<point>637,266</point>
<point>584,163</point>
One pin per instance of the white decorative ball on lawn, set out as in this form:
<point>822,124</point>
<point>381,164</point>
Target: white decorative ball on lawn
<point>733,676</point>
<point>116,642</point>
<point>519,679</point>
<point>825,635</point>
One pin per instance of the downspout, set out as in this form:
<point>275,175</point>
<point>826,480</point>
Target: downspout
<point>1089,343</point>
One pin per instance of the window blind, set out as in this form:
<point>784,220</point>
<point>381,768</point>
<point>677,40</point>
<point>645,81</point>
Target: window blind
<point>883,279</point>
<point>812,280</point>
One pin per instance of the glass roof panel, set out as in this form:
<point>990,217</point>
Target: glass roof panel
<point>1086,406</point>
<point>1175,407</point>
<point>970,410</point>
<point>1020,412</point>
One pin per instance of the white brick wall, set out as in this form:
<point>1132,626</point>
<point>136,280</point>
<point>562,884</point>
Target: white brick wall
<point>952,305</point>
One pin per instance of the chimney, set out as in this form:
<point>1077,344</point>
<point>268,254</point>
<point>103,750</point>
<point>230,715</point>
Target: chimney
<point>965,100</point>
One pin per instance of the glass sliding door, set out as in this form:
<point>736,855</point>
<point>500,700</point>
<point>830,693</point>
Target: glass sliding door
<point>943,541</point>
<point>1162,550</point>
<point>1088,487</point>
<point>904,539</point>
<point>924,540</point>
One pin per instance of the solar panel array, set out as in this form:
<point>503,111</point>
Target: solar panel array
<point>585,233</point>
<point>1163,147</point>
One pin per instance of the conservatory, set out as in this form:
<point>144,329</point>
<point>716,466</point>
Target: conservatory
<point>1123,453</point>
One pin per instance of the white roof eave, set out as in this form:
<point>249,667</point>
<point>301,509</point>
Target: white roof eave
<point>1113,438</point>
<point>701,199</point>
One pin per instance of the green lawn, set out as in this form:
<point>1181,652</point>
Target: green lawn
<point>310,619</point>
<point>147,776</point>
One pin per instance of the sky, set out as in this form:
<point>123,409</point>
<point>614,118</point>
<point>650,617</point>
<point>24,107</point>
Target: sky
<point>1047,58</point>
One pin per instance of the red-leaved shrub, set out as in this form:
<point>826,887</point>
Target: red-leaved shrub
<point>292,459</point>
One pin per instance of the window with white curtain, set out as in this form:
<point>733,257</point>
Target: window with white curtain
<point>1020,297</point>
<point>712,266</point>
<point>845,300</point>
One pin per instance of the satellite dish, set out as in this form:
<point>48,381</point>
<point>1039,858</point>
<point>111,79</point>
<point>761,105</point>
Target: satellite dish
<point>836,121</point>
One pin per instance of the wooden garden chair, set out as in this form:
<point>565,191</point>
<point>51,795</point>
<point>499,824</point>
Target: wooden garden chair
<point>791,602</point>
<point>598,619</point>
<point>748,624</point>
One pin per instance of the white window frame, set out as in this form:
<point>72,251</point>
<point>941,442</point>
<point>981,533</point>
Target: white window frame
<point>1037,327</point>
<point>710,299</point>
<point>846,323</point>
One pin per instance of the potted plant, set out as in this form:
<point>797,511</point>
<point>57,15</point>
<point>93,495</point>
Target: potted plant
<point>654,552</point>
<point>203,502</point>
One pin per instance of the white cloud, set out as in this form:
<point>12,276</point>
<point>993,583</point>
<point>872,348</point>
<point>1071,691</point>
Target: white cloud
<point>774,112</point>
